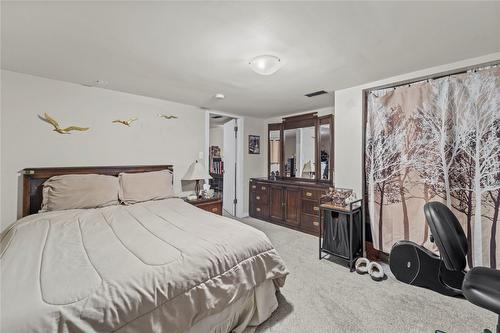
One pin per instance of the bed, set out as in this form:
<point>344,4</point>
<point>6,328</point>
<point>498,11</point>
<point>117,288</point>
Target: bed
<point>155,266</point>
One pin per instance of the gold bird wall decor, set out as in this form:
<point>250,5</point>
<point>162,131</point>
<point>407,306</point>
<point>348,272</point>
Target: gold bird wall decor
<point>166,117</point>
<point>58,128</point>
<point>126,122</point>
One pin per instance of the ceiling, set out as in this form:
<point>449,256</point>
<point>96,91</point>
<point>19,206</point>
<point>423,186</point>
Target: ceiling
<point>189,51</point>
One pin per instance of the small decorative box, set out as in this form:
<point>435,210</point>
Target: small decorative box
<point>338,196</point>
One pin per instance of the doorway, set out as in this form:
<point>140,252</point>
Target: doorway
<point>224,159</point>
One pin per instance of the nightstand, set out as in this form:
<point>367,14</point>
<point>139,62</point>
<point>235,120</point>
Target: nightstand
<point>213,205</point>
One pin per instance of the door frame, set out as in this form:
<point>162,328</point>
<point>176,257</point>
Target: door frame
<point>239,154</point>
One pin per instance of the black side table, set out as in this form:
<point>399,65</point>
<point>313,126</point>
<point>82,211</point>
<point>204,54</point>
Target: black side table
<point>341,231</point>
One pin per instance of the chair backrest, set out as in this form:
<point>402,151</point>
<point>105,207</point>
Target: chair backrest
<point>448,235</point>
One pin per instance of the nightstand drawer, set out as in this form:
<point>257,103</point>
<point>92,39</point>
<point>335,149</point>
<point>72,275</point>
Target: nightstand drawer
<point>212,206</point>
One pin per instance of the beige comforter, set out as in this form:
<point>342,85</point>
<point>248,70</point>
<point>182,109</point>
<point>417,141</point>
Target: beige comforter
<point>101,269</point>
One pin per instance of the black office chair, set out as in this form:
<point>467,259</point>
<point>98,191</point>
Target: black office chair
<point>481,285</point>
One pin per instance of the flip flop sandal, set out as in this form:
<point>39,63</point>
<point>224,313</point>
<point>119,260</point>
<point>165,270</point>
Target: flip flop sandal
<point>361,265</point>
<point>376,271</point>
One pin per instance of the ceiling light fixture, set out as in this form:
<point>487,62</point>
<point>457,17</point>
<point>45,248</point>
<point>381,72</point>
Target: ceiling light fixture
<point>265,64</point>
<point>96,83</point>
<point>101,82</point>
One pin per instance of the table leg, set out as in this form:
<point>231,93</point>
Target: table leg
<point>319,238</point>
<point>350,243</point>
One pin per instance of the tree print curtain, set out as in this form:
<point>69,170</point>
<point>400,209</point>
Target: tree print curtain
<point>437,140</point>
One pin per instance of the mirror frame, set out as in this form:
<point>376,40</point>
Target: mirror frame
<point>300,121</point>
<point>324,120</point>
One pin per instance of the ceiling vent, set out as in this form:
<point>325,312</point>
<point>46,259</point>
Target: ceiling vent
<point>316,93</point>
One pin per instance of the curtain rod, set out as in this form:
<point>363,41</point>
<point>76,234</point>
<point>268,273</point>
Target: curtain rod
<point>409,83</point>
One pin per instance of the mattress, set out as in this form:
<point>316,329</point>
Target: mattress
<point>160,266</point>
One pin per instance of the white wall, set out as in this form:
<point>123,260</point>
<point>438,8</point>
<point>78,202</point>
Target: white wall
<point>348,121</point>
<point>26,141</point>
<point>255,165</point>
<point>216,137</point>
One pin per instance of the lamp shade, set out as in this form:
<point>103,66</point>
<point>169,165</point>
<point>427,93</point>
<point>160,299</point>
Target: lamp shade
<point>196,171</point>
<point>275,151</point>
<point>307,167</point>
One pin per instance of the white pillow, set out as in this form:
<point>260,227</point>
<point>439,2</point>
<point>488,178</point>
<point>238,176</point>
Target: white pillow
<point>145,186</point>
<point>79,191</point>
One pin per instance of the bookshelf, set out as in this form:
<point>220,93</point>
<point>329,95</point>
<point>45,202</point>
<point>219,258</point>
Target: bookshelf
<point>216,169</point>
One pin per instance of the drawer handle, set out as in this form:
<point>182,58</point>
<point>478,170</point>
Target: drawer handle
<point>257,197</point>
<point>263,188</point>
<point>258,209</point>
<point>315,208</point>
<point>254,186</point>
<point>309,194</point>
<point>316,223</point>
<point>214,210</point>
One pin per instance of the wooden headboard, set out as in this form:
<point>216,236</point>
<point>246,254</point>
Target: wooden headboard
<point>33,179</point>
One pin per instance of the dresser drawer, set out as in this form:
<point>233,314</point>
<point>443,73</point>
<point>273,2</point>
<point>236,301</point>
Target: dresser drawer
<point>261,198</point>
<point>310,222</point>
<point>259,187</point>
<point>312,194</point>
<point>310,207</point>
<point>259,210</point>
<point>287,202</point>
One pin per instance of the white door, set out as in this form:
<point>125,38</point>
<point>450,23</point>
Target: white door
<point>229,178</point>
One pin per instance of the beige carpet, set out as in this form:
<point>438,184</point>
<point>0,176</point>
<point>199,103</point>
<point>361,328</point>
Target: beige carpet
<point>322,296</point>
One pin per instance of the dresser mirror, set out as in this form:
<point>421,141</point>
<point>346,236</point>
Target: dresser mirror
<point>301,147</point>
<point>325,148</point>
<point>275,152</point>
<point>300,152</point>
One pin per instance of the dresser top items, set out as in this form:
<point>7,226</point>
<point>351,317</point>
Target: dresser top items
<point>291,182</point>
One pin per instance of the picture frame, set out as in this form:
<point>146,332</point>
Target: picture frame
<point>254,144</point>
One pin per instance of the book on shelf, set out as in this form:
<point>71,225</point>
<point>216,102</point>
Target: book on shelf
<point>217,167</point>
<point>216,164</point>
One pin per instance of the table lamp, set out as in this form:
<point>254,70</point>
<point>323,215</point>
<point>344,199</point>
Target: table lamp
<point>196,171</point>
<point>308,168</point>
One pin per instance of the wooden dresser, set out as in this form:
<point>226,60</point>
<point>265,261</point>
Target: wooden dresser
<point>290,203</point>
